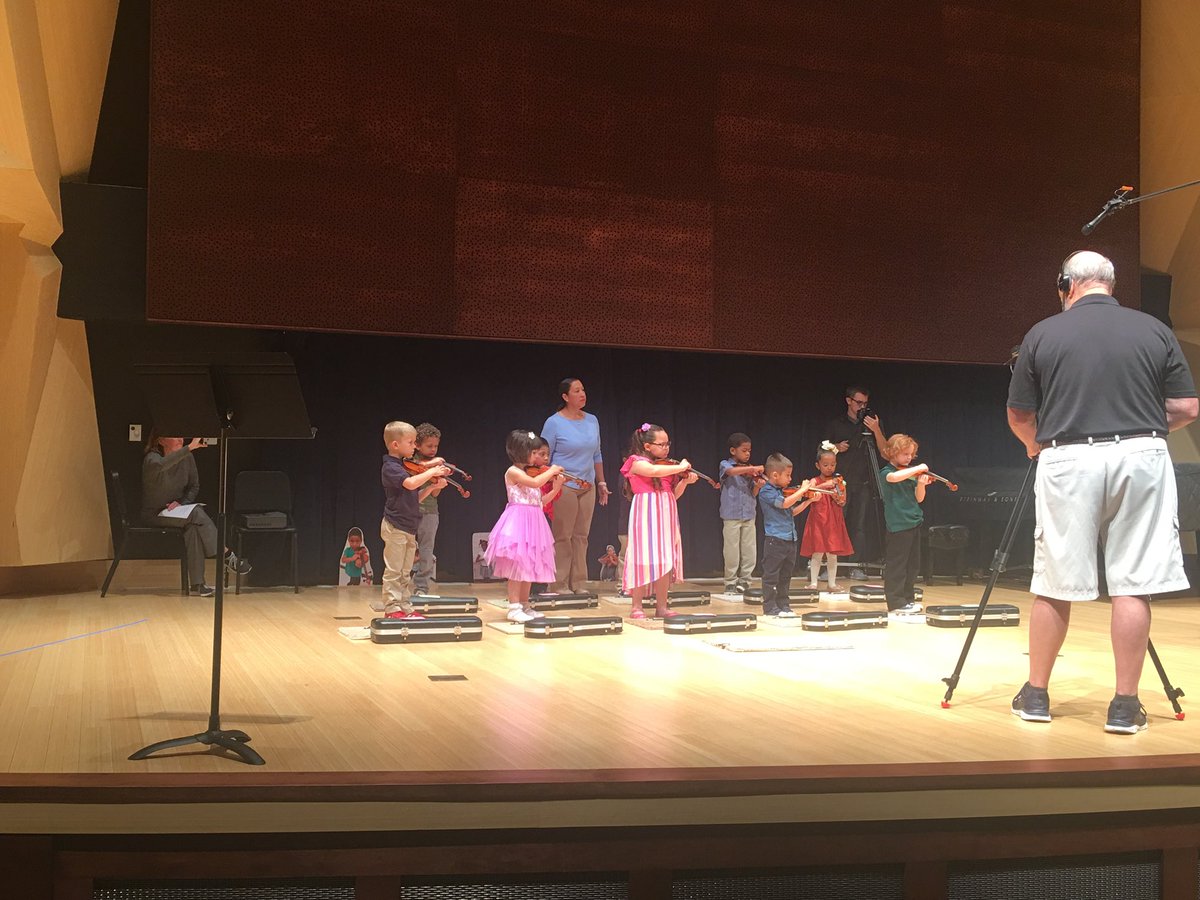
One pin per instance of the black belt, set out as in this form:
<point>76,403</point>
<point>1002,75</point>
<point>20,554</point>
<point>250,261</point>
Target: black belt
<point>1102,439</point>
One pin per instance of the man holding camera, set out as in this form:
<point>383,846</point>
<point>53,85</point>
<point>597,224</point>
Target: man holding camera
<point>848,434</point>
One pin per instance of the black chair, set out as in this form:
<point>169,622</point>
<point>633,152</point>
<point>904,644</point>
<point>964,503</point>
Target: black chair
<point>140,541</point>
<point>263,492</point>
<point>952,538</point>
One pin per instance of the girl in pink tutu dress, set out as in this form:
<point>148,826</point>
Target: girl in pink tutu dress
<point>653,555</point>
<point>521,546</point>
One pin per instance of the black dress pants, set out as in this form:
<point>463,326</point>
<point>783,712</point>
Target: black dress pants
<point>901,566</point>
<point>779,560</point>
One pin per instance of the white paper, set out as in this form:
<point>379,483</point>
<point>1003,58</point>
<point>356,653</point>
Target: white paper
<point>182,511</point>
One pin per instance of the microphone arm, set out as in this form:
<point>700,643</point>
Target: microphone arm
<point>1120,201</point>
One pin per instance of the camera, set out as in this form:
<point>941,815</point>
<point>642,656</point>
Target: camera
<point>865,412</point>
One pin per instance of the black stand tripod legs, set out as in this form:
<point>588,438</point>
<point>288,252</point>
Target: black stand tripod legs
<point>1173,693</point>
<point>998,565</point>
<point>233,741</point>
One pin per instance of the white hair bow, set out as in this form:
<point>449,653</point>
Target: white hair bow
<point>829,446</point>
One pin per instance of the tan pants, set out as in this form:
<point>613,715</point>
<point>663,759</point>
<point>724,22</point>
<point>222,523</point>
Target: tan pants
<point>572,522</point>
<point>740,549</point>
<point>399,551</point>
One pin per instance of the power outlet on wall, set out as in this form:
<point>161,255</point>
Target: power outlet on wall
<point>135,432</point>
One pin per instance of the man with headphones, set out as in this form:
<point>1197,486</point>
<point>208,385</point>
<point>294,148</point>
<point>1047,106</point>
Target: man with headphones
<point>1094,392</point>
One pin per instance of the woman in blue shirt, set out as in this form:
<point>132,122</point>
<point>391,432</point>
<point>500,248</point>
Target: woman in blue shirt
<point>574,439</point>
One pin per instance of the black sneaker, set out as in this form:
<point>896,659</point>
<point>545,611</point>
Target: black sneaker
<point>1032,704</point>
<point>203,590</point>
<point>731,588</point>
<point>235,565</point>
<point>1126,715</point>
<point>741,587</point>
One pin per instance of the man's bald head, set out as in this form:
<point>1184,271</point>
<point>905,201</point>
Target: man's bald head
<point>1089,272</point>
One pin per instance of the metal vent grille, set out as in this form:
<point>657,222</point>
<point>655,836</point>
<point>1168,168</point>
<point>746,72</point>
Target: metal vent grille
<point>239,889</point>
<point>578,890</point>
<point>1055,880</point>
<point>828,885</point>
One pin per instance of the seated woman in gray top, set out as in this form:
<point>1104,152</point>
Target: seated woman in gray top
<point>170,479</point>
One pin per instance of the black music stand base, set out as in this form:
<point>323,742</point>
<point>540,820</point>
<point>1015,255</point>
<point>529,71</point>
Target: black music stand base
<point>233,741</point>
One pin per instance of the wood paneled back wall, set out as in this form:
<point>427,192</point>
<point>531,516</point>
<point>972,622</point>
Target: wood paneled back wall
<point>876,180</point>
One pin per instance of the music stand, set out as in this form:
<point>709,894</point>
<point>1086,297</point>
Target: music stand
<point>248,396</point>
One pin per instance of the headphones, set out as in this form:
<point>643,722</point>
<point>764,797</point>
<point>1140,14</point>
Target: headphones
<point>1065,281</point>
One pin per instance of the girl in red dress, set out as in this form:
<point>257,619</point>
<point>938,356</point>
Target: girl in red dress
<point>825,531</point>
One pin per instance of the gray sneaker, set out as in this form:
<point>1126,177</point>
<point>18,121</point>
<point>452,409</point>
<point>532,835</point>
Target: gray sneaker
<point>857,574</point>
<point>1126,715</point>
<point>1032,704</point>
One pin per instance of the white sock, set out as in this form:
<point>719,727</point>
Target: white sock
<point>831,563</point>
<point>814,569</point>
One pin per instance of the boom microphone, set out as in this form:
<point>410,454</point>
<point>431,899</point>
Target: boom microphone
<point>1117,202</point>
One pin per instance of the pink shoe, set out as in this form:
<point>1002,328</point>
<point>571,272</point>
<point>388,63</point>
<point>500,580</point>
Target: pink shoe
<point>669,614</point>
<point>401,614</point>
<point>638,614</point>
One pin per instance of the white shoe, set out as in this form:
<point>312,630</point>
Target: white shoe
<point>786,614</point>
<point>520,616</point>
<point>910,612</point>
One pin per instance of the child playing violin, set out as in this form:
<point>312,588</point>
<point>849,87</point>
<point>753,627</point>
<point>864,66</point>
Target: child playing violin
<point>903,493</point>
<point>520,546</point>
<point>550,490</point>
<point>740,483</point>
<point>403,491</point>
<point>825,532</point>
<point>780,505</point>
<point>429,439</point>
<point>654,553</point>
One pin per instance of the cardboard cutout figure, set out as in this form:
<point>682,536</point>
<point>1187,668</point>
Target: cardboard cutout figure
<point>355,564</point>
<point>480,570</point>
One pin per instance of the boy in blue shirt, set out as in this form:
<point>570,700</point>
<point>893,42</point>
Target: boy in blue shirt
<point>779,547</point>
<point>740,483</point>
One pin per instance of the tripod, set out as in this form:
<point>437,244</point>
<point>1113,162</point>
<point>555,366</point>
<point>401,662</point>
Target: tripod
<point>867,439</point>
<point>999,561</point>
<point>260,398</point>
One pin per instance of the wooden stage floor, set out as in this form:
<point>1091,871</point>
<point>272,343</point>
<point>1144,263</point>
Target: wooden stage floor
<point>84,682</point>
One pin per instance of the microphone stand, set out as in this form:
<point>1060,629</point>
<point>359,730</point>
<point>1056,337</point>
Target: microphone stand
<point>1120,201</point>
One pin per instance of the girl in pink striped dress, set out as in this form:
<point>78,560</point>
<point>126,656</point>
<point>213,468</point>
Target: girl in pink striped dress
<point>653,556</point>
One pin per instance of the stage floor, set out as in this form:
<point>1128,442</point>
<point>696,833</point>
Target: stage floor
<point>84,682</point>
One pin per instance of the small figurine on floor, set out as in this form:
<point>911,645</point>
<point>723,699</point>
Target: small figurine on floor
<point>608,564</point>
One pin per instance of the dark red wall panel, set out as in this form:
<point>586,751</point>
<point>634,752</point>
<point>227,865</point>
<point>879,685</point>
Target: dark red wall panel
<point>892,180</point>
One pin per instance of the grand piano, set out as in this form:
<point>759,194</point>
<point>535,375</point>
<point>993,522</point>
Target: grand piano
<point>986,496</point>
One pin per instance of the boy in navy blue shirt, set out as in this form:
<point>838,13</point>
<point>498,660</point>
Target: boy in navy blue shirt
<point>402,494</point>
<point>779,547</point>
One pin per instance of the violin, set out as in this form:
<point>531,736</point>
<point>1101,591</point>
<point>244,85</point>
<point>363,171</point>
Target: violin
<point>946,481</point>
<point>836,488</point>
<point>419,467</point>
<point>808,492</point>
<point>535,471</point>
<point>438,461</point>
<point>674,462</point>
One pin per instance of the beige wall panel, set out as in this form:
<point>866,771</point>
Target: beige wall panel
<point>53,59</point>
<point>61,508</point>
<point>1170,154</point>
<point>1170,150</point>
<point>76,39</point>
<point>29,174</point>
